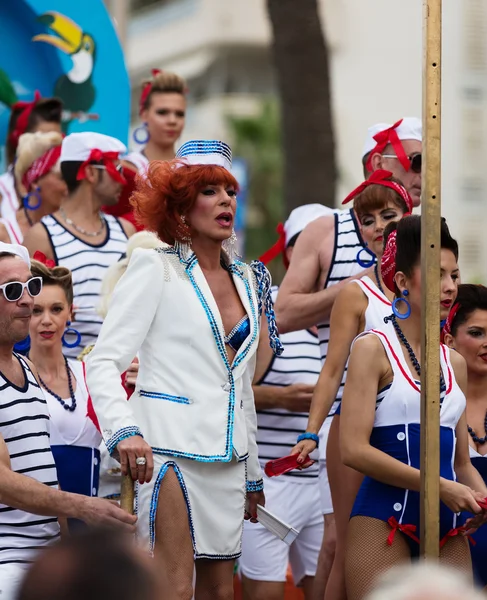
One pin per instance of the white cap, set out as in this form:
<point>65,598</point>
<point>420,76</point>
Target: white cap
<point>302,216</point>
<point>78,146</point>
<point>17,250</point>
<point>409,129</point>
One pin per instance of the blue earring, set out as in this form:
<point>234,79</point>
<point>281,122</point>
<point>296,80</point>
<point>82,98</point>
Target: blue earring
<point>141,134</point>
<point>396,312</point>
<point>35,194</point>
<point>71,331</point>
<point>364,263</point>
<point>23,347</point>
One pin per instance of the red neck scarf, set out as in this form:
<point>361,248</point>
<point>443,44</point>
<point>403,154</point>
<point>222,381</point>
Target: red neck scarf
<point>107,159</point>
<point>388,261</point>
<point>449,321</point>
<point>382,177</point>
<point>385,137</point>
<point>41,166</point>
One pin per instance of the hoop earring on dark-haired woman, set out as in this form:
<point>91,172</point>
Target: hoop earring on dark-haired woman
<point>141,134</point>
<point>364,263</point>
<point>26,199</point>
<point>71,331</point>
<point>400,315</point>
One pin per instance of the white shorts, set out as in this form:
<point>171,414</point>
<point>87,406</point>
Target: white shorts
<point>325,493</point>
<point>264,556</point>
<point>215,498</point>
<point>11,577</point>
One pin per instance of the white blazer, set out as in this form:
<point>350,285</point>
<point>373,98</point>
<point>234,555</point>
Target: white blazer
<point>189,400</point>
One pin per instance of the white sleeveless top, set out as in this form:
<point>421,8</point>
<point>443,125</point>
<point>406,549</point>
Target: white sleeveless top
<point>348,242</point>
<point>13,230</point>
<point>10,203</point>
<point>24,426</point>
<point>278,428</point>
<point>88,264</point>
<point>138,159</point>
<point>73,428</point>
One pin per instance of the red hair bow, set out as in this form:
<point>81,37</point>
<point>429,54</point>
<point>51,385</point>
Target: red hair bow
<point>388,261</point>
<point>107,158</point>
<point>449,320</point>
<point>381,177</point>
<point>146,90</point>
<point>385,137</point>
<point>23,118</point>
<point>277,248</point>
<point>408,530</point>
<point>42,258</point>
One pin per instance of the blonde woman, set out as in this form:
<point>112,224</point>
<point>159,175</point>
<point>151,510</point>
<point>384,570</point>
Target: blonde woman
<point>39,182</point>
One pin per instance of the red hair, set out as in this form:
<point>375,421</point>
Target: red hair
<point>168,192</point>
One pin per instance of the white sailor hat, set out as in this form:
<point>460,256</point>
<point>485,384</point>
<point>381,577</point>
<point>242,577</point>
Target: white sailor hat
<point>206,152</point>
<point>302,216</point>
<point>79,146</point>
<point>409,128</point>
<point>17,250</point>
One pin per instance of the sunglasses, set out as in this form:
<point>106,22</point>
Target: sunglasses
<point>416,161</point>
<point>118,167</point>
<point>14,290</point>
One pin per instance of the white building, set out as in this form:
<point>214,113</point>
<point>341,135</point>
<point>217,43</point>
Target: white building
<point>222,48</point>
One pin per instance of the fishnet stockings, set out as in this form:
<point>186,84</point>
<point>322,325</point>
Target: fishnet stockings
<point>368,554</point>
<point>456,553</point>
<point>173,549</point>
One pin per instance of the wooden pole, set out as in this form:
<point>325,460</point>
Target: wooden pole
<point>430,277</point>
<point>127,494</point>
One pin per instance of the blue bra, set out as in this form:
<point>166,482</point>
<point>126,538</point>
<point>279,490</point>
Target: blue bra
<point>239,334</point>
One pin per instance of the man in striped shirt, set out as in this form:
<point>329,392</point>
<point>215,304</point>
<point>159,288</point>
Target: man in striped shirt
<point>30,502</point>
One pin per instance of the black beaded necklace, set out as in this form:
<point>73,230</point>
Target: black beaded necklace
<point>71,408</point>
<point>412,356</point>
<point>379,284</point>
<point>475,437</point>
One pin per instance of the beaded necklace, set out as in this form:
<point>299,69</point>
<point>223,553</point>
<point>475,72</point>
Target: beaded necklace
<point>71,408</point>
<point>379,284</point>
<point>476,439</point>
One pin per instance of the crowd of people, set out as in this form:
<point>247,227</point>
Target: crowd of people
<point>135,341</point>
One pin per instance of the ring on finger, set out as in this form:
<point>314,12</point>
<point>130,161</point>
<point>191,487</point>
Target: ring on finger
<point>141,461</point>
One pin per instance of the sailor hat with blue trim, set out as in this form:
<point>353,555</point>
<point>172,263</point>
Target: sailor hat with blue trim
<point>206,152</point>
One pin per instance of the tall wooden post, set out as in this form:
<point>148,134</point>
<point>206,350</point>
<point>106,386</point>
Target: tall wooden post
<point>430,277</point>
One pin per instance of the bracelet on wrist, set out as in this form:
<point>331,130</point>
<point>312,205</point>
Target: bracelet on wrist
<point>309,436</point>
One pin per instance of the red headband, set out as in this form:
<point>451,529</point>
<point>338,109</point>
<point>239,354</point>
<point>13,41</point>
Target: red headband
<point>385,137</point>
<point>449,320</point>
<point>381,177</point>
<point>146,90</point>
<point>42,258</point>
<point>41,166</point>
<point>388,261</point>
<point>107,159</point>
<point>277,248</point>
<point>23,118</point>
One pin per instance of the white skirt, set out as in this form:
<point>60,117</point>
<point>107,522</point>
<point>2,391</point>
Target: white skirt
<point>215,498</point>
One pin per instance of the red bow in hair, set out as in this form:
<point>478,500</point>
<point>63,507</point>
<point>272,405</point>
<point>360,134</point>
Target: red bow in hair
<point>146,90</point>
<point>42,258</point>
<point>449,320</point>
<point>277,248</point>
<point>388,261</point>
<point>107,158</point>
<point>385,137</point>
<point>23,118</point>
<point>381,177</point>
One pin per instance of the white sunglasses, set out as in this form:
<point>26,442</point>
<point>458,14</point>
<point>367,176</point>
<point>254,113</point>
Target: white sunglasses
<point>14,290</point>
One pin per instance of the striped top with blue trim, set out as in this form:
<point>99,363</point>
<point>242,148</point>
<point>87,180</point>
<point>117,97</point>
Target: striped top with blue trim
<point>24,427</point>
<point>278,428</point>
<point>348,242</point>
<point>88,264</point>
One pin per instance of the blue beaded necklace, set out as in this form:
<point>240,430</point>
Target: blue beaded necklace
<point>66,406</point>
<point>475,437</point>
<point>379,284</point>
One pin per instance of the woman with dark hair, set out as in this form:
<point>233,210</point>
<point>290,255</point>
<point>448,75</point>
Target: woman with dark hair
<point>75,439</point>
<point>361,305</point>
<point>466,332</point>
<point>380,425</point>
<point>191,310</point>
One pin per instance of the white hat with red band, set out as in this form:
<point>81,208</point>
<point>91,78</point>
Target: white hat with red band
<point>78,146</point>
<point>409,128</point>
<point>16,250</point>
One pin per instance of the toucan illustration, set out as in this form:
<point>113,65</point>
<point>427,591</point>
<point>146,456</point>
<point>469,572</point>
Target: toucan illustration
<point>74,88</point>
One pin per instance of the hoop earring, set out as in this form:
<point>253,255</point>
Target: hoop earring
<point>36,194</point>
<point>71,331</point>
<point>23,346</point>
<point>365,264</point>
<point>141,134</point>
<point>400,315</point>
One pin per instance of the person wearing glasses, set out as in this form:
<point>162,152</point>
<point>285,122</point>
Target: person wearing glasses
<point>30,503</point>
<point>39,181</point>
<point>79,236</point>
<point>75,440</point>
